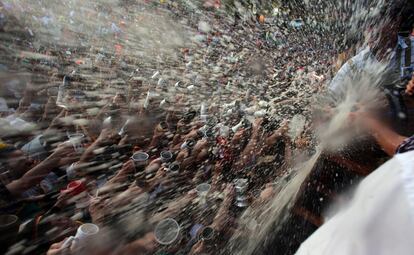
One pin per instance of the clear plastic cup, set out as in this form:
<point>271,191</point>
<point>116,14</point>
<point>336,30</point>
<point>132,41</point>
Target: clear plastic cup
<point>202,191</point>
<point>203,188</point>
<point>166,156</point>
<point>166,231</point>
<point>174,168</point>
<point>207,234</point>
<point>140,159</point>
<point>241,185</point>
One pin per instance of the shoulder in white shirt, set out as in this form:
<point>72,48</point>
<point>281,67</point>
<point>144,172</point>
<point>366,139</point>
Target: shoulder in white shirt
<point>379,220</point>
<point>358,62</point>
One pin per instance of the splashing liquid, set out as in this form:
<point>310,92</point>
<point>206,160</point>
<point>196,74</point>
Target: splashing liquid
<point>257,225</point>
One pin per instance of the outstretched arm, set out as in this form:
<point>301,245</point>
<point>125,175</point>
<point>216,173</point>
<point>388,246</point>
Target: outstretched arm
<point>388,139</point>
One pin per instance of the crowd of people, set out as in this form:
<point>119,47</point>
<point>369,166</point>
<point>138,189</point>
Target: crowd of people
<point>105,153</point>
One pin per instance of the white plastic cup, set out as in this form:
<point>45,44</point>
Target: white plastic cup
<point>85,232</point>
<point>76,141</point>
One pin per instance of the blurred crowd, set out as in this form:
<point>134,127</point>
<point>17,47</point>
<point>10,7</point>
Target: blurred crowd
<point>103,153</point>
<point>138,154</point>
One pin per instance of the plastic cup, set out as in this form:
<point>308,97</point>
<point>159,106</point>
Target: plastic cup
<point>174,168</point>
<point>76,141</point>
<point>9,228</point>
<point>76,187</point>
<point>140,159</point>
<point>207,233</point>
<point>7,221</point>
<point>85,232</point>
<point>203,188</point>
<point>166,156</point>
<point>166,231</point>
<point>241,185</point>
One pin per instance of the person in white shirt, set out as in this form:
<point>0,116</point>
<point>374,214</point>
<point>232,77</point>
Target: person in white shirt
<point>379,220</point>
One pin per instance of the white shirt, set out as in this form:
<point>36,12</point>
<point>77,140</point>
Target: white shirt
<point>379,220</point>
<point>356,63</point>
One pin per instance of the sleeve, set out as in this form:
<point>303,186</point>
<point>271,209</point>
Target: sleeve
<point>338,80</point>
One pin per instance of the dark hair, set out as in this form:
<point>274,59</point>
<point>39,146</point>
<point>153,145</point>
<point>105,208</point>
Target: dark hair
<point>401,11</point>
<point>407,16</point>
